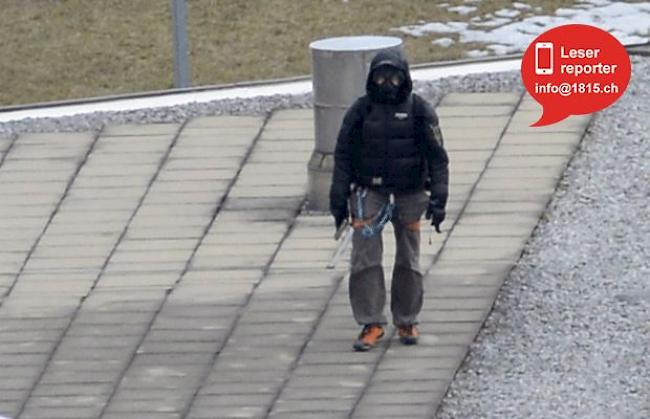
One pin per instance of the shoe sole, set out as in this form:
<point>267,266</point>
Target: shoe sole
<point>408,341</point>
<point>362,347</point>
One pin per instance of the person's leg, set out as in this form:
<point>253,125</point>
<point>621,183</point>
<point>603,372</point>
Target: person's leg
<point>367,289</point>
<point>406,288</point>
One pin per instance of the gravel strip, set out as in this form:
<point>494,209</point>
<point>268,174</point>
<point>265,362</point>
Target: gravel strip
<point>433,90</point>
<point>570,330</point>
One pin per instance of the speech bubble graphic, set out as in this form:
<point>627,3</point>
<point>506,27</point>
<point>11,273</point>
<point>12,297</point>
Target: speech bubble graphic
<point>574,70</point>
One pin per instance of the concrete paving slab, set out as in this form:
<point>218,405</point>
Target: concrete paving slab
<point>456,144</point>
<point>172,185</point>
<point>389,410</point>
<point>205,174</point>
<point>511,195</point>
<point>505,98</point>
<point>529,161</point>
<point>487,207</point>
<point>293,114</point>
<point>201,163</point>
<point>538,149</point>
<point>529,104</point>
<point>227,132</point>
<point>469,135</point>
<point>523,119</point>
<point>463,156</point>
<point>284,145</point>
<point>59,413</point>
<point>491,122</point>
<point>306,134</point>
<point>305,125</point>
<point>540,138</point>
<point>54,166</point>
<point>54,139</point>
<point>506,173</point>
<point>524,184</point>
<point>461,286</point>
<point>293,190</point>
<point>5,143</point>
<point>141,415</point>
<point>139,130</point>
<point>226,121</point>
<point>499,219</point>
<point>464,242</point>
<point>471,111</point>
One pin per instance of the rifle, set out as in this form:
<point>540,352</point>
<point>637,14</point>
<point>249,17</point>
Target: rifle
<point>346,231</point>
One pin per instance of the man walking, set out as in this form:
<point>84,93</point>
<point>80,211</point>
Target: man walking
<point>389,151</point>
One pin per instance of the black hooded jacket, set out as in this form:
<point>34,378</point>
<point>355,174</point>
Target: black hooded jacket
<point>389,145</point>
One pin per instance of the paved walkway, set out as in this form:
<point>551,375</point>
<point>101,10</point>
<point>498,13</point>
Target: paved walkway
<point>167,271</point>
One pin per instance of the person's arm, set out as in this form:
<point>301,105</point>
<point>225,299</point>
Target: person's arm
<point>437,161</point>
<point>343,173</point>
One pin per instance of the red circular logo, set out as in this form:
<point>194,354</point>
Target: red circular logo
<point>573,70</point>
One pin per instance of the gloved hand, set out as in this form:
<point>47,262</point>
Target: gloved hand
<point>435,213</point>
<point>339,203</point>
<point>340,215</point>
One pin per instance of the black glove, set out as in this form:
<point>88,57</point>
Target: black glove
<point>340,215</point>
<point>339,203</point>
<point>435,213</point>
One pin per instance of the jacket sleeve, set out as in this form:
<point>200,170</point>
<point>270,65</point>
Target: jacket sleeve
<point>343,174</point>
<point>436,156</point>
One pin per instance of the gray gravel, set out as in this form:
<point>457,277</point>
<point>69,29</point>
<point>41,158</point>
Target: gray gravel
<point>570,330</point>
<point>495,82</point>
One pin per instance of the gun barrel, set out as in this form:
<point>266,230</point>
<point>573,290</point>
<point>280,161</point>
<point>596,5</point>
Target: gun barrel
<point>341,229</point>
<point>340,249</point>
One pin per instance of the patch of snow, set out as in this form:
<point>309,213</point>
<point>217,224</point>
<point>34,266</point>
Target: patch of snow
<point>462,10</point>
<point>420,30</point>
<point>499,49</point>
<point>521,6</point>
<point>596,2</point>
<point>476,53</point>
<point>566,12</point>
<point>629,39</point>
<point>510,13</point>
<point>442,42</point>
<point>492,21</point>
<point>628,22</point>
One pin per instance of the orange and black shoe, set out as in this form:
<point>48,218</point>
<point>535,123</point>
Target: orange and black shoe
<point>369,336</point>
<point>408,334</point>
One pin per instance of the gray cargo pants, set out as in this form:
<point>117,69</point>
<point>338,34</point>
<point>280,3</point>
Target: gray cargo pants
<point>367,289</point>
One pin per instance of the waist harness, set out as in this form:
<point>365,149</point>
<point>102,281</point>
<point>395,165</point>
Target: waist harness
<point>378,222</point>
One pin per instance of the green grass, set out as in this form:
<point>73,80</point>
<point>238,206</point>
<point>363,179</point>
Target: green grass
<point>64,49</point>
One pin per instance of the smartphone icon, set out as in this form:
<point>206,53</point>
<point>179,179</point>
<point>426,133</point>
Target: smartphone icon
<point>544,58</point>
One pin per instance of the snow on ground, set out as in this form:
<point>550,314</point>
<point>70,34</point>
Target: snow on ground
<point>511,29</point>
<point>443,42</point>
<point>462,10</point>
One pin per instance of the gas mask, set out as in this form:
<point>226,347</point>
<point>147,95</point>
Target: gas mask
<point>388,82</point>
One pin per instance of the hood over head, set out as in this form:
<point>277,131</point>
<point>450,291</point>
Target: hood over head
<point>388,93</point>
